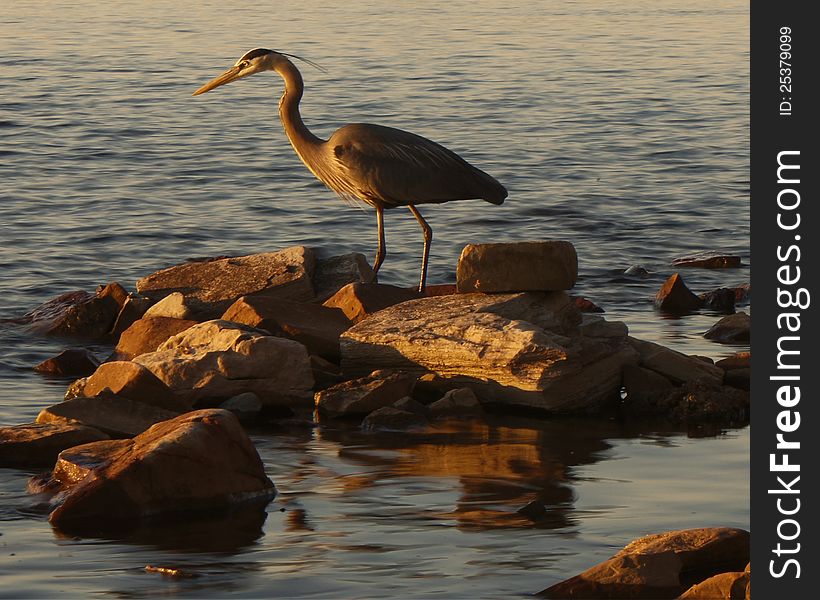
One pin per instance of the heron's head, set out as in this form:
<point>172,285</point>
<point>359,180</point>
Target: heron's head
<point>253,61</point>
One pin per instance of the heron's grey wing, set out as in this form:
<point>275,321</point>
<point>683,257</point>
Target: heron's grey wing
<point>395,167</point>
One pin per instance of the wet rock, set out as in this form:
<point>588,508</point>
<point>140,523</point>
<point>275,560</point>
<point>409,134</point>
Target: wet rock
<point>390,418</point>
<point>174,306</point>
<point>521,349</point>
<point>708,260</point>
<point>74,362</point>
<point>132,310</point>
<point>245,406</point>
<point>361,396</point>
<point>743,293</point>
<point>359,300</point>
<point>731,329</point>
<point>216,360</point>
<point>696,402</point>
<point>659,566</point>
<point>199,462</point>
<point>586,306</point>
<point>317,327</point>
<point>674,297</point>
<point>38,444</point>
<point>728,586</point>
<point>458,403</point>
<point>738,378</point>
<point>739,360</point>
<point>409,404</point>
<point>677,367</point>
<point>642,382</point>
<point>517,267</point>
<point>133,381</point>
<point>210,286</point>
<point>720,300</point>
<point>78,314</point>
<point>146,335</point>
<point>637,271</point>
<point>115,416</point>
<point>334,272</point>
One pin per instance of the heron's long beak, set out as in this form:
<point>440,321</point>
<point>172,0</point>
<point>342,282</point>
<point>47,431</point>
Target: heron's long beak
<point>230,75</point>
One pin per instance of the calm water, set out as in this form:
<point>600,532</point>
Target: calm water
<point>620,126</point>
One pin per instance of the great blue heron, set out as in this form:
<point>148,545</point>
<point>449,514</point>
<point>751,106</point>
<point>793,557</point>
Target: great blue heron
<point>381,166</point>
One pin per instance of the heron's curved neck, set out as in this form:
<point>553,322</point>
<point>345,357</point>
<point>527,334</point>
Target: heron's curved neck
<point>302,140</point>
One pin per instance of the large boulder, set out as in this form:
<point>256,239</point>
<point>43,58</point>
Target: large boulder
<point>210,286</point>
<point>199,462</point>
<point>521,349</point>
<point>317,327</point>
<point>116,416</point>
<point>216,360</point>
<point>38,444</point>
<point>675,366</point>
<point>659,566</point>
<point>146,334</point>
<point>517,267</point>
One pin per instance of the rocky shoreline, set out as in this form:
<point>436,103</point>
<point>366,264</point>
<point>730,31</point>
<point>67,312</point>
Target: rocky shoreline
<point>201,347</point>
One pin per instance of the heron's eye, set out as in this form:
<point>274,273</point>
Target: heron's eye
<point>244,64</point>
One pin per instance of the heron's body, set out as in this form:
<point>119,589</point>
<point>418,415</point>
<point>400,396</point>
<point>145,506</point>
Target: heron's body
<point>380,166</point>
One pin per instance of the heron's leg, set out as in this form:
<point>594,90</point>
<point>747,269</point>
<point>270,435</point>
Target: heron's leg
<point>381,252</point>
<point>428,238</point>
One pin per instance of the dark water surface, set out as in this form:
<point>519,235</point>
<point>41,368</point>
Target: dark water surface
<point>620,126</point>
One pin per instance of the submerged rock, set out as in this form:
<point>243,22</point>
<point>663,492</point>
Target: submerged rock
<point>391,418</point>
<point>735,328</point>
<point>210,286</point>
<point>692,402</point>
<point>721,300</point>
<point>361,396</point>
<point>199,462</point>
<point>659,566</point>
<point>522,349</point>
<point>79,314</point>
<point>216,360</point>
<point>674,297</point>
<point>38,444</point>
<point>359,300</point>
<point>708,260</point>
<point>517,267</point>
<point>74,362</point>
<point>146,335</point>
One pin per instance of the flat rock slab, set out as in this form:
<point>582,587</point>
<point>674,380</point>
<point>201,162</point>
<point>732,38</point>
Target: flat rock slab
<point>317,327</point>
<point>359,397</point>
<point>674,297</point>
<point>360,300</point>
<point>732,329</point>
<point>199,462</point>
<point>38,444</point>
<point>675,366</point>
<point>659,566</point>
<point>211,286</point>
<point>517,267</point>
<point>521,349</point>
<point>216,360</point>
<point>146,335</point>
<point>118,417</point>
<point>708,260</point>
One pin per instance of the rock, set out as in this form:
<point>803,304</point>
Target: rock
<point>738,378</point>
<point>409,404</point>
<point>519,349</point>
<point>325,373</point>
<point>459,403</point>
<point>642,382</point>
<point>695,402</point>
<point>595,326</point>
<point>517,267</point>
<point>132,310</point>
<point>390,418</point>
<point>216,360</point>
<point>333,273</point>
<point>245,406</point>
<point>731,329</point>
<point>441,289</point>
<point>708,260</point>
<point>317,327</point>
<point>729,586</point>
<point>673,365</point>
<point>174,306</point>
<point>739,360</point>
<point>361,396</point>
<point>37,444</point>
<point>75,362</point>
<point>585,305</point>
<point>674,297</point>
<point>211,286</point>
<point>146,335</point>
<point>79,314</point>
<point>659,566</point>
<point>359,300</point>
<point>200,462</point>
<point>133,381</point>
<point>742,293</point>
<point>637,271</point>
<point>721,300</point>
<point>118,417</point>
